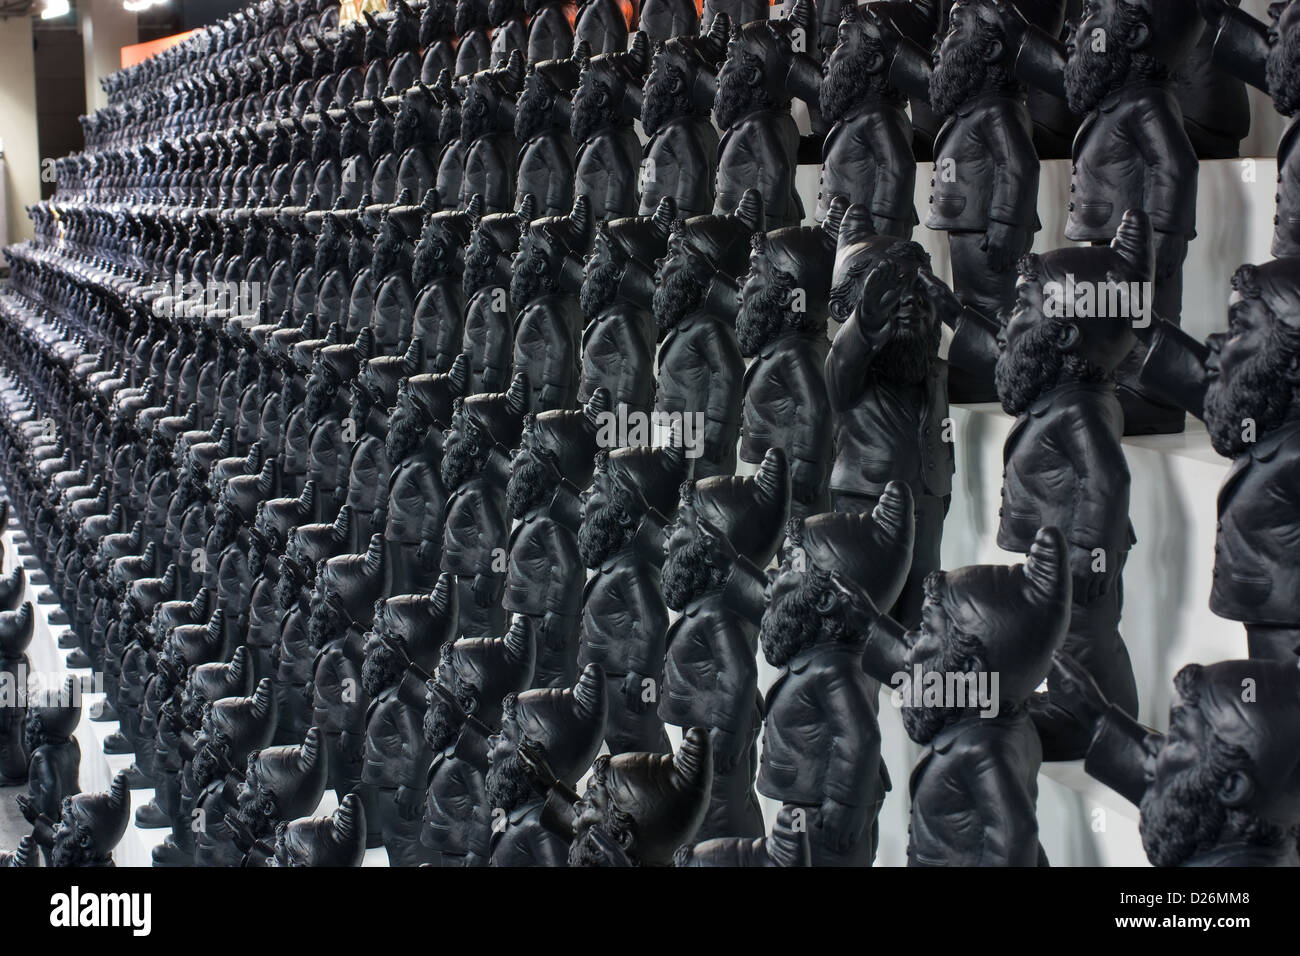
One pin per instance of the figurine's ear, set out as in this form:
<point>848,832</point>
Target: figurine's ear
<point>1067,336</point>
<point>828,602</point>
<point>1139,35</point>
<point>1236,789</point>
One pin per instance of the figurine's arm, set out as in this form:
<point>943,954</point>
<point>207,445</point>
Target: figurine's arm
<point>1101,493</point>
<point>1175,366</point>
<point>892,209</point>
<point>1171,172</point>
<point>413,764</point>
<point>1118,754</point>
<point>1008,814</point>
<point>1015,185</point>
<point>43,784</point>
<point>772,168</point>
<point>726,372</point>
<point>849,720</point>
<point>561,596</point>
<point>647,619</point>
<point>737,674</point>
<point>435,506</point>
<point>559,359</point>
<point>848,363</point>
<point>810,428</point>
<point>1240,46</point>
<point>450,327</point>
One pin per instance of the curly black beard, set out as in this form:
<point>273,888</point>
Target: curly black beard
<point>1035,366</point>
<point>224,528</point>
<point>1283,73</point>
<point>480,265</point>
<point>358,258</point>
<point>677,297</point>
<point>848,84</point>
<point>528,282</point>
<point>287,590</point>
<point>736,98</point>
<point>590,116</point>
<point>792,622</point>
<point>462,459</point>
<point>1186,818</point>
<point>191,709</point>
<point>688,572</point>
<point>381,669</point>
<point>476,115</point>
<point>67,851</point>
<point>600,288</point>
<point>323,146</point>
<point>405,433</point>
<point>206,765</point>
<point>762,318</point>
<point>431,261</point>
<point>379,139</point>
<point>1252,393</point>
<point>157,458</point>
<point>1090,76</point>
<point>603,532</point>
<point>325,624</point>
<point>470,15</point>
<point>960,74</point>
<point>435,22</point>
<point>586,852</point>
<point>441,725</point>
<point>507,784</point>
<point>385,256</point>
<point>259,815</point>
<point>528,487</point>
<point>961,654</point>
<point>908,356</point>
<point>449,125</point>
<point>320,396</point>
<point>329,250</point>
<point>661,103</point>
<point>353,140</point>
<point>532,112</point>
<point>257,555</point>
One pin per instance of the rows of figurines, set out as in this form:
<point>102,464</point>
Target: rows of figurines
<point>395,525</point>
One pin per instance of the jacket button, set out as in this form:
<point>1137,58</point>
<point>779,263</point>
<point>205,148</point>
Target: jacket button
<point>1071,207</point>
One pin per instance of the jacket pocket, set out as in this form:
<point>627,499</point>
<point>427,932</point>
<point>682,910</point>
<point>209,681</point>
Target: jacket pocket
<point>1094,213</point>
<point>1251,589</point>
<point>949,207</point>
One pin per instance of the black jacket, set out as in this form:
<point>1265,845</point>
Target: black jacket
<point>761,152</point>
<point>867,158</point>
<point>624,619</point>
<point>679,162</point>
<point>546,350</point>
<point>606,170</point>
<point>700,368</point>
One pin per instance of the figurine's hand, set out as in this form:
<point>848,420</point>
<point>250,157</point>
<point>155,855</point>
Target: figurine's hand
<point>408,800</point>
<point>429,555</point>
<point>1072,682</point>
<point>888,227</point>
<point>27,808</point>
<point>881,291</point>
<point>539,771</point>
<point>844,824</point>
<point>1004,244</point>
<point>352,746</point>
<point>1171,250</point>
<point>1092,574</point>
<point>485,590</point>
<point>945,302</point>
<point>805,480</point>
<point>726,752</point>
<point>632,690</point>
<point>378,521</point>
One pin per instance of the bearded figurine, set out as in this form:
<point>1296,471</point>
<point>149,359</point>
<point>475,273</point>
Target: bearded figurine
<point>139,656</point>
<point>489,334</point>
<point>821,742</point>
<point>295,654</point>
<point>547,152</point>
<point>607,100</point>
<point>26,855</point>
<point>281,784</point>
<point>179,718</point>
<point>710,676</point>
<point>16,631</point>
<point>1242,384</point>
<point>391,313</point>
<point>1220,788</point>
<point>90,826</point>
<point>334,841</point>
<point>333,368</point>
<point>509,30</point>
<point>867,157</point>
<point>981,747</point>
<point>361,144</point>
<point>560,727</point>
<point>545,291</point>
<point>1268,58</point>
<point>682,154</point>
<point>451,158</point>
<point>438,39</point>
<point>463,710</point>
<point>473,46</point>
<point>1132,151</point>
<point>375,55</point>
<point>624,618</point>
<point>699,366</point>
<point>266,545</point>
<point>760,141</point>
<point>415,139</point>
<point>604,25</point>
<point>54,768</point>
<point>342,610</point>
<point>285,414</point>
<point>784,303</point>
<point>438,317</point>
<point>638,807</point>
<point>231,730</point>
<point>475,473</point>
<point>618,288</point>
<point>402,41</point>
<point>233,582</point>
<point>417,499</point>
<point>1056,375</point>
<point>786,845</point>
<point>374,391</point>
<point>888,388</point>
<point>487,132</point>
<point>409,630</point>
<point>544,572</point>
